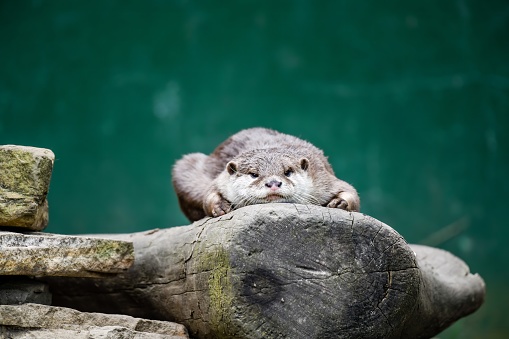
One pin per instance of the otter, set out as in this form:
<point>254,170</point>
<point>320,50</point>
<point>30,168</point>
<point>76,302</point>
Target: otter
<point>257,166</point>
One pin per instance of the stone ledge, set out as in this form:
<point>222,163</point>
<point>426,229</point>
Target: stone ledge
<point>44,254</point>
<point>41,321</point>
<point>105,332</point>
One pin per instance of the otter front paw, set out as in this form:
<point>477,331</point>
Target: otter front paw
<point>345,201</point>
<point>215,205</point>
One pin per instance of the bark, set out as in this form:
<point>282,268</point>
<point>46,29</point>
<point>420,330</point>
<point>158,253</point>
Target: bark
<point>284,271</point>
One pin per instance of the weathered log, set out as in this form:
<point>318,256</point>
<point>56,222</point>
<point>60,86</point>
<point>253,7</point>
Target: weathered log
<point>284,271</point>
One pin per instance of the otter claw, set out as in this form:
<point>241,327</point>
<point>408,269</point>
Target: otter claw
<point>346,201</point>
<point>343,204</point>
<point>219,207</point>
<point>338,203</point>
<point>217,212</point>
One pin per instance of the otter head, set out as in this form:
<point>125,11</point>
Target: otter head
<point>267,175</point>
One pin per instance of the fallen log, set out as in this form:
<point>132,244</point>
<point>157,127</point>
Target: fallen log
<point>284,271</point>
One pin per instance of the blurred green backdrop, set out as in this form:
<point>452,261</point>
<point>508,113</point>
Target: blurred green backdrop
<point>409,99</point>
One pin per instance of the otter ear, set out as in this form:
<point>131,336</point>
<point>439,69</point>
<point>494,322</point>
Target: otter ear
<point>304,164</point>
<point>231,167</point>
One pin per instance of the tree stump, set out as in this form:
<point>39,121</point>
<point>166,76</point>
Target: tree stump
<point>284,271</point>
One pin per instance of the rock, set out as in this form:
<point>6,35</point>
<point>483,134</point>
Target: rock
<point>43,254</point>
<point>25,174</point>
<point>106,332</point>
<point>40,321</point>
<point>21,290</point>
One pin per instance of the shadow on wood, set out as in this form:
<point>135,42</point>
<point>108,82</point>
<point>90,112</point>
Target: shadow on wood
<point>284,271</point>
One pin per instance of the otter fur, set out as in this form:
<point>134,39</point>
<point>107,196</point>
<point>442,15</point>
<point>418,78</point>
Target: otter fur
<point>256,166</point>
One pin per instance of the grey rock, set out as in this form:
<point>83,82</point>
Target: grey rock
<point>44,254</point>
<point>25,174</point>
<point>40,321</point>
<point>22,290</point>
<point>106,332</point>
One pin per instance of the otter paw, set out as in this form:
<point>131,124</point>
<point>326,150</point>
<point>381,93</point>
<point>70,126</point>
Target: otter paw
<point>217,206</point>
<point>342,200</point>
<point>338,203</point>
<point>221,208</point>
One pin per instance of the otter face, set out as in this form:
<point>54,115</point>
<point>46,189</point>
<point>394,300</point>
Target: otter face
<point>260,179</point>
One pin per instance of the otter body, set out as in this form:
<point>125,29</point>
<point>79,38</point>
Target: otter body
<point>257,166</point>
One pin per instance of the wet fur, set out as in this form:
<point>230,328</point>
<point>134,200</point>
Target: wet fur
<point>215,184</point>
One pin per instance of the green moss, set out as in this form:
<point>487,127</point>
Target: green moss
<point>107,249</point>
<point>220,292</point>
<point>25,174</point>
<point>24,170</point>
<point>16,171</point>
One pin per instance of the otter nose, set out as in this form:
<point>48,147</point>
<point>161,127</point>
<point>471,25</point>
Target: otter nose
<point>273,184</point>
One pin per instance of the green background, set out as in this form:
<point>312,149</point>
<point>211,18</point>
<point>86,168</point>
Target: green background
<point>409,99</point>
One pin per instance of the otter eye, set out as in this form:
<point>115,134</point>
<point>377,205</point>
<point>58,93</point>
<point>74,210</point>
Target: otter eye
<point>288,172</point>
<point>254,175</point>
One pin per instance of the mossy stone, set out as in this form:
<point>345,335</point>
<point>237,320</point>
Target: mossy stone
<point>25,174</point>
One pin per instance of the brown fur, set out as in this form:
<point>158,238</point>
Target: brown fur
<point>258,165</point>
